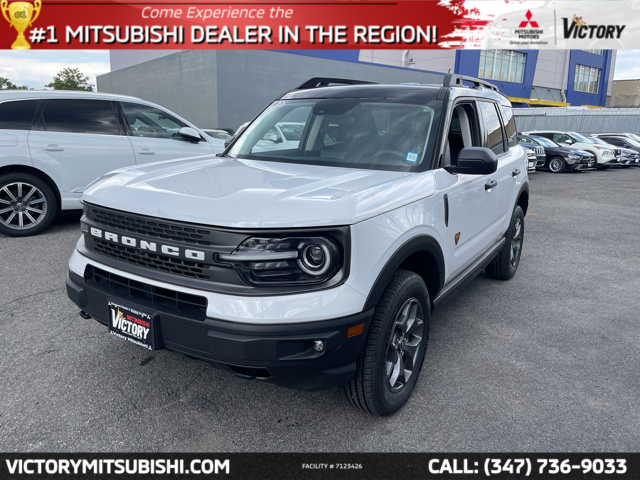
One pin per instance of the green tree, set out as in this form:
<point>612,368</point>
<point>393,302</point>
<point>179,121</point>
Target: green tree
<point>6,84</point>
<point>70,79</point>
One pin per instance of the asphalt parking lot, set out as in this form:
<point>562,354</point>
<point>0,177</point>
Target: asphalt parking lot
<point>549,361</point>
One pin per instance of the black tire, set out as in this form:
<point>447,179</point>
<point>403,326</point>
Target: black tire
<point>601,167</point>
<point>370,390</point>
<point>504,266</point>
<point>557,165</point>
<point>38,211</point>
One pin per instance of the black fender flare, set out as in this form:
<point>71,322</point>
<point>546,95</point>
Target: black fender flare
<point>524,189</point>
<point>421,243</point>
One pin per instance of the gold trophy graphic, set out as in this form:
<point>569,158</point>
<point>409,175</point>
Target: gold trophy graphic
<point>21,16</point>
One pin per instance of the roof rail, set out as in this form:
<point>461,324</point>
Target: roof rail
<point>317,82</point>
<point>455,80</point>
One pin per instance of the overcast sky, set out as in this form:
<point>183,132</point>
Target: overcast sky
<point>36,68</point>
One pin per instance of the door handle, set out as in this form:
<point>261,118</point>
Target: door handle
<point>515,173</point>
<point>146,151</point>
<point>490,184</point>
<point>54,148</point>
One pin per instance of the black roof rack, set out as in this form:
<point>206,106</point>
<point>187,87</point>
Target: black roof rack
<point>455,80</point>
<point>317,82</point>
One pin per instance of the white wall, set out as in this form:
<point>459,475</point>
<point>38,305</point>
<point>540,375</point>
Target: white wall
<point>550,69</point>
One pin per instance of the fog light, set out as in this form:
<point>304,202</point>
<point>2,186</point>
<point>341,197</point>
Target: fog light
<point>318,345</point>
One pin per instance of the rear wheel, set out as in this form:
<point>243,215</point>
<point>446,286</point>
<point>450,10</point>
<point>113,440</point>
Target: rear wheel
<point>505,265</point>
<point>556,165</point>
<point>390,362</point>
<point>27,205</point>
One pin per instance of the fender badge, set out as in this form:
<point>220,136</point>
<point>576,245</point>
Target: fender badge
<point>457,237</point>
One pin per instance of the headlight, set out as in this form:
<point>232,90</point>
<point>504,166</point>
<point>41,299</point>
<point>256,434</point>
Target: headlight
<point>607,153</point>
<point>571,159</point>
<point>288,260</point>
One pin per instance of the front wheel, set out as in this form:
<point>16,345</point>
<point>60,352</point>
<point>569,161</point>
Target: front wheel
<point>556,165</point>
<point>27,205</point>
<point>504,266</point>
<point>390,362</point>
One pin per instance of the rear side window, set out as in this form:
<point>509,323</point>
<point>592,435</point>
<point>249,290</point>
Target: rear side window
<point>17,115</point>
<point>493,127</point>
<point>79,116</point>
<point>510,125</point>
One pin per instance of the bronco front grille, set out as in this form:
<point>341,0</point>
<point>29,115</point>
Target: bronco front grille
<point>145,226</point>
<point>157,298</point>
<point>154,261</point>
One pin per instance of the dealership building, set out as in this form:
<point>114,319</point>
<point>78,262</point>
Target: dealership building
<point>225,88</point>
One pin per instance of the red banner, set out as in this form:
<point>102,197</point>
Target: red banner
<point>109,24</point>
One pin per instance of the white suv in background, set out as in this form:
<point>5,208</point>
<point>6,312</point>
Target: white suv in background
<point>55,143</point>
<point>605,157</point>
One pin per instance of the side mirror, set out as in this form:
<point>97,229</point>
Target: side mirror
<point>475,161</point>
<point>568,141</point>
<point>190,134</point>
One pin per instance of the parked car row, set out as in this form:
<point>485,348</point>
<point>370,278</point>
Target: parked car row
<point>572,151</point>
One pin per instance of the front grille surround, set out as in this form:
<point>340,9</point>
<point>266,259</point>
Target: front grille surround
<point>182,268</point>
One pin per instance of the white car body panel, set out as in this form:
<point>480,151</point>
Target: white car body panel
<point>74,160</point>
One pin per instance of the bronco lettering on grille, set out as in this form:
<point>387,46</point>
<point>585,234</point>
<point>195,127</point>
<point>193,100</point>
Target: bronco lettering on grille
<point>146,245</point>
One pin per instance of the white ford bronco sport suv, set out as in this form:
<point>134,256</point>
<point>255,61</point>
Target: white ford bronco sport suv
<point>318,263</point>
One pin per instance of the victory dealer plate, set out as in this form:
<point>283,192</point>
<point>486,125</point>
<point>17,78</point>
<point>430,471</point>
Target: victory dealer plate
<point>132,324</point>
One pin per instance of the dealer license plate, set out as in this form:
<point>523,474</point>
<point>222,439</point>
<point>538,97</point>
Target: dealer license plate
<point>132,324</point>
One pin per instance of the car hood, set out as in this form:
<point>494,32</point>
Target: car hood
<point>223,191</point>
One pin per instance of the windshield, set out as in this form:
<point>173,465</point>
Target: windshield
<point>597,140</point>
<point>579,138</point>
<point>634,139</point>
<point>545,142</point>
<point>384,134</point>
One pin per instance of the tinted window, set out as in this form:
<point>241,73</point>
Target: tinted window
<point>510,125</point>
<point>614,141</point>
<point>79,116</point>
<point>561,138</point>
<point>495,140</point>
<point>146,121</point>
<point>17,115</point>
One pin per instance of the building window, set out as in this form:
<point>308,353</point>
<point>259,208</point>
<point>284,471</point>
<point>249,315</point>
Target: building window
<point>587,79</point>
<point>595,52</point>
<point>503,65</point>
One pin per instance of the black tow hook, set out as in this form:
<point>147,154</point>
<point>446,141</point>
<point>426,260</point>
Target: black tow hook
<point>84,315</point>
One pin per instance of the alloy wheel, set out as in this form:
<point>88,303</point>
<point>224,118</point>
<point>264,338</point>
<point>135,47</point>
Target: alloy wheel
<point>516,243</point>
<point>407,334</point>
<point>22,206</point>
<point>555,165</point>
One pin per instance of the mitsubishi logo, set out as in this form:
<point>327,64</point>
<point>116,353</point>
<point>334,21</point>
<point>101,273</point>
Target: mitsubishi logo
<point>533,24</point>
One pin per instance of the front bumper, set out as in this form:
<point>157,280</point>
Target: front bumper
<point>283,354</point>
<point>579,166</point>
